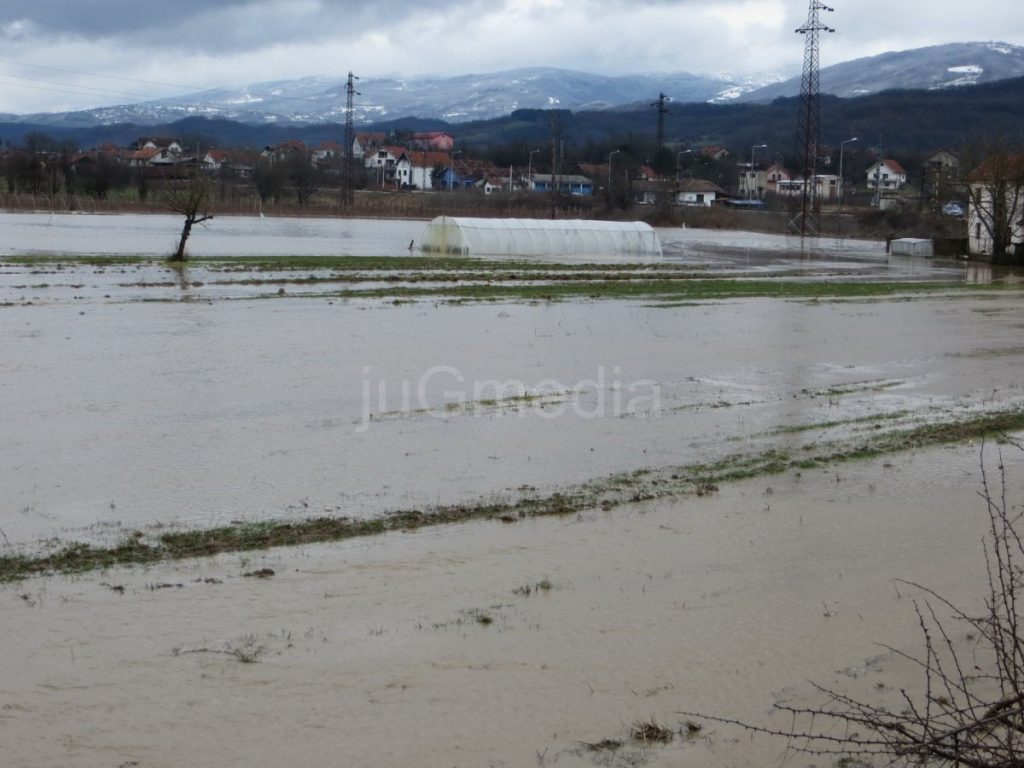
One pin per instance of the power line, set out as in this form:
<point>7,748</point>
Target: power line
<point>96,74</point>
<point>78,87</point>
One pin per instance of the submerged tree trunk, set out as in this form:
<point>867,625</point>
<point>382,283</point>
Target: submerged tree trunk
<point>186,230</point>
<point>193,202</point>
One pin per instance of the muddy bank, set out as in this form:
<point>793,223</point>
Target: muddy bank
<point>379,649</point>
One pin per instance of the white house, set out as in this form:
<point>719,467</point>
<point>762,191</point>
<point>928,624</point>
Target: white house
<point>366,143</point>
<point>886,175</point>
<point>170,146</point>
<point>827,187</point>
<point>753,181</point>
<point>998,179</point>
<point>697,192</point>
<point>687,192</point>
<point>774,174</point>
<point>382,167</point>
<point>422,165</point>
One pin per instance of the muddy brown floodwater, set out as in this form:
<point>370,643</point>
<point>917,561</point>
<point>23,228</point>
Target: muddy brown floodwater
<point>375,653</point>
<point>120,416</point>
<point>136,403</point>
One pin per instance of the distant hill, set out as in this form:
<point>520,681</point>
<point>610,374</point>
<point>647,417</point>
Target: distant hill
<point>934,68</point>
<point>899,120</point>
<point>453,99</point>
<point>467,98</point>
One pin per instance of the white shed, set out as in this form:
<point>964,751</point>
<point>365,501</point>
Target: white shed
<point>540,237</point>
<point>912,246</point>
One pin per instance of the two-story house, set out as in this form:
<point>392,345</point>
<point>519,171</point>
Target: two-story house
<point>886,175</point>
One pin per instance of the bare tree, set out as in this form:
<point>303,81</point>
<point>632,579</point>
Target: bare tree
<point>971,711</point>
<point>192,199</point>
<point>996,190</point>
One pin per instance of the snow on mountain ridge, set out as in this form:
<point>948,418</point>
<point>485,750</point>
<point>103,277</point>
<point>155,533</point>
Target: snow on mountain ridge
<point>479,96</point>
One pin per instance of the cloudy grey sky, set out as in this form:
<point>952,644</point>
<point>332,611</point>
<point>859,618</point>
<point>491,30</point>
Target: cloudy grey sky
<point>64,54</point>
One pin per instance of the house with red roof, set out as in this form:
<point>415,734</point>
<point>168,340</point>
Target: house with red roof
<point>886,175</point>
<point>421,165</point>
<point>366,143</point>
<point>439,141</point>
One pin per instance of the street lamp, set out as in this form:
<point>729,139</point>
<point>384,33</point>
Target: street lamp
<point>842,181</point>
<point>753,173</point>
<point>610,156</point>
<point>679,157</point>
<point>451,168</point>
<point>529,170</point>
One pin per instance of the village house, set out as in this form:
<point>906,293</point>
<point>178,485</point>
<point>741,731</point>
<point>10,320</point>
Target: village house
<point>382,167</point>
<point>438,141</point>
<point>715,153</point>
<point>774,174</point>
<point>995,208</point>
<point>693,193</point>
<point>943,164</point>
<point>697,192</point>
<point>422,164</point>
<point>568,184</point>
<point>152,157</point>
<point>366,143</point>
<point>328,154</point>
<point>886,175</point>
<point>285,151</point>
<point>170,146</point>
<point>827,187</point>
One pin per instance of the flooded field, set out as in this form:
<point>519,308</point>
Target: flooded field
<point>353,381</point>
<point>496,644</point>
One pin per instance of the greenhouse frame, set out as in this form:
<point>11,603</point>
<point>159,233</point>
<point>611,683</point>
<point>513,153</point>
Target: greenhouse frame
<point>540,237</point>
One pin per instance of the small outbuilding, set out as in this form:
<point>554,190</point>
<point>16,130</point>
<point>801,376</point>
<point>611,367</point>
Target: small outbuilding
<point>540,237</point>
<point>912,246</point>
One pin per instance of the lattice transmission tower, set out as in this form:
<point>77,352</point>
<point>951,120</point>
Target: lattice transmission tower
<point>350,135</point>
<point>807,221</point>
<point>660,104</point>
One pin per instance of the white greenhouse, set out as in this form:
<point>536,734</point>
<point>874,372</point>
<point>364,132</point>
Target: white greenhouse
<point>540,237</point>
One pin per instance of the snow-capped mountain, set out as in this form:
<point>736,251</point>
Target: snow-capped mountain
<point>453,99</point>
<point>473,97</point>
<point>938,66</point>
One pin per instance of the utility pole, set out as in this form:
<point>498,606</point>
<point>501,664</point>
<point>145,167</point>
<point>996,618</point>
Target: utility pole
<point>807,221</point>
<point>350,136</point>
<point>662,111</point>
<point>555,129</point>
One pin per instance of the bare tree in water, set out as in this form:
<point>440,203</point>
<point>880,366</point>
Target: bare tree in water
<point>971,710</point>
<point>192,199</point>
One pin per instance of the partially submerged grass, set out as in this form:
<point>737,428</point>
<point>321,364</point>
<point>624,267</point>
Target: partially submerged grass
<point>650,731</point>
<point>683,288</point>
<point>603,493</point>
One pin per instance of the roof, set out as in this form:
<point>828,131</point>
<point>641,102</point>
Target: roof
<point>428,159</point>
<point>698,185</point>
<point>891,164</point>
<point>563,178</point>
<point>160,141</point>
<point>714,151</point>
<point>1008,167</point>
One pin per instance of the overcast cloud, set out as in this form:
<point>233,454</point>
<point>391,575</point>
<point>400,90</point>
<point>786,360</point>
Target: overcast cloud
<point>155,50</point>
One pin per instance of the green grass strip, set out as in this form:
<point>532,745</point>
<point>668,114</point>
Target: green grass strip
<point>638,485</point>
